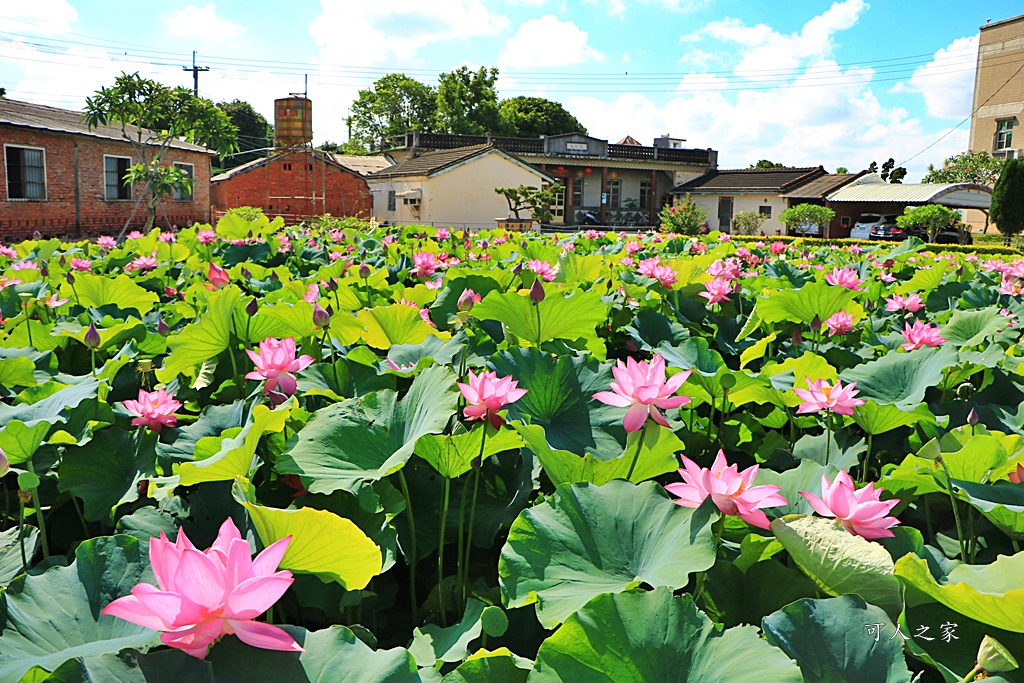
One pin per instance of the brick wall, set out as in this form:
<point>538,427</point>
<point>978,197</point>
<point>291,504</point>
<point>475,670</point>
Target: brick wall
<point>60,216</point>
<point>295,185</point>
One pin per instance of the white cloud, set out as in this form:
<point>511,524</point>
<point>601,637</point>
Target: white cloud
<point>192,21</point>
<point>945,81</point>
<point>766,54</point>
<point>838,122</point>
<point>40,16</point>
<point>547,42</point>
<point>698,58</point>
<point>617,8</point>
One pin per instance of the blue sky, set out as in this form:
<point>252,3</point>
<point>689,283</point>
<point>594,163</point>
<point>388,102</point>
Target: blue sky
<point>804,83</point>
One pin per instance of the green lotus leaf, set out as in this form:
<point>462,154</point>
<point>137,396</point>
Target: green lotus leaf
<point>431,643</point>
<point>970,328</point>
<point>488,667</point>
<point>814,300</point>
<point>901,379</point>
<point>230,455</point>
<point>453,456</point>
<point>96,291</point>
<point>839,639</point>
<point>586,540</point>
<point>875,418</point>
<point>55,616</point>
<point>367,438</point>
<point>1002,504</point>
<point>643,636</point>
<point>558,316</point>
<point>839,562</point>
<point>991,594</point>
<point>19,443</point>
<point>385,326</point>
<point>203,339</point>
<point>106,472</point>
<point>11,562</point>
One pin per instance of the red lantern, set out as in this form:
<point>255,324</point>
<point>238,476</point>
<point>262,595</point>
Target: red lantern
<point>587,171</point>
<point>561,169</point>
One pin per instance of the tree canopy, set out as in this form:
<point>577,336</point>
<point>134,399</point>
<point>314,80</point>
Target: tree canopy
<point>967,167</point>
<point>1007,208</point>
<point>151,116</point>
<point>531,117</point>
<point>467,101</point>
<point>765,163</point>
<point>889,171</point>
<point>254,131</point>
<point>394,104</point>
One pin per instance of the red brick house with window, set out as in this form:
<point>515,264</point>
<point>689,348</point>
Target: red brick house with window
<point>62,179</point>
<point>294,183</point>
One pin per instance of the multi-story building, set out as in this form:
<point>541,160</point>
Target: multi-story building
<point>996,125</point>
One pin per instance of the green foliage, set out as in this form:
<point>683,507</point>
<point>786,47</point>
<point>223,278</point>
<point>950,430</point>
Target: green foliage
<point>685,218</point>
<point>889,171</point>
<point>807,213</point>
<point>467,101</point>
<point>766,164</point>
<point>532,117</point>
<point>524,197</point>
<point>254,131</point>
<point>930,218</point>
<point>1007,209</point>
<point>748,222</point>
<point>394,104</point>
<point>973,166</point>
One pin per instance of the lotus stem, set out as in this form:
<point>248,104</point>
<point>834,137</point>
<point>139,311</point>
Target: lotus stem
<point>411,558</point>
<point>440,549</point>
<point>636,453</point>
<point>39,513</point>
<point>971,674</point>
<point>478,465</point>
<point>956,514</point>
<point>21,534</point>
<point>828,438</point>
<point>539,337</point>
<point>867,458</point>
<point>234,363</point>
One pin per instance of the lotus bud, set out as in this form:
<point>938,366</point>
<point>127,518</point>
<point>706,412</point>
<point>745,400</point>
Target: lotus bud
<point>798,337</point>
<point>994,658</point>
<point>972,417</point>
<point>321,316</point>
<point>37,235</point>
<point>92,337</point>
<point>816,323</point>
<point>274,276</point>
<point>518,269</point>
<point>43,270</point>
<point>70,278</point>
<point>252,307</point>
<point>5,466</point>
<point>246,274</point>
<point>332,285</point>
<point>537,292</point>
<point>62,261</point>
<point>364,271</point>
<point>466,300</point>
<point>162,328</point>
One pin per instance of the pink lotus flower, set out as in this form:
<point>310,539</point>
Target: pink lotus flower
<point>134,235</point>
<point>153,409</point>
<point>206,594</point>
<point>1010,285</point>
<point>543,269</point>
<point>426,264</point>
<point>1017,476</point>
<point>664,275</point>
<point>206,237</point>
<point>725,237</point>
<point>82,265</point>
<point>6,282</point>
<point>591,234</point>
<point>167,237</point>
<point>859,510</point>
<point>275,363</point>
<point>731,490</point>
<point>921,334</point>
<point>218,277</point>
<point>141,264</point>
<point>54,302</point>
<point>887,277</point>
<point>912,303</point>
<point>823,396</point>
<point>642,388</point>
<point>846,277</point>
<point>839,323</point>
<point>727,269</point>
<point>443,233</point>
<point>9,252</point>
<point>485,395</point>
<point>312,294</point>
<point>698,248</point>
<point>718,290</point>
<point>633,247</point>
<point>5,465</point>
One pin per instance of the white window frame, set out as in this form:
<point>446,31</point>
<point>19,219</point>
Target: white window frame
<point>178,196</point>
<point>7,184</point>
<point>131,190</point>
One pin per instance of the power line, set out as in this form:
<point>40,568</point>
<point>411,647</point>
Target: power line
<point>195,73</point>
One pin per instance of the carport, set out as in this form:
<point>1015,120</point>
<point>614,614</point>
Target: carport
<point>871,194</point>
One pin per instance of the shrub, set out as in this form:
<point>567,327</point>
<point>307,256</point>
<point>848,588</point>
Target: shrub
<point>748,222</point>
<point>1007,210</point>
<point>807,213</point>
<point>686,218</point>
<point>930,218</point>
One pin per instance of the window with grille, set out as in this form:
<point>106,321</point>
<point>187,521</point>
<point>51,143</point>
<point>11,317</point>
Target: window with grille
<point>114,169</point>
<point>577,192</point>
<point>26,172</point>
<point>614,194</point>
<point>185,194</point>
<point>645,194</point>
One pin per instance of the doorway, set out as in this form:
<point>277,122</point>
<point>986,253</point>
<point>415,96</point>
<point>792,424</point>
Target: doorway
<point>724,213</point>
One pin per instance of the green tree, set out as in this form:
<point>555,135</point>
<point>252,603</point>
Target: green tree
<point>765,163</point>
<point>978,167</point>
<point>151,116</point>
<point>351,147</point>
<point>394,104</point>
<point>1007,209</point>
<point>467,101</point>
<point>531,117</point>
<point>930,218</point>
<point>254,131</point>
<point>748,222</point>
<point>525,197</point>
<point>802,214</point>
<point>889,171</point>
<point>841,170</point>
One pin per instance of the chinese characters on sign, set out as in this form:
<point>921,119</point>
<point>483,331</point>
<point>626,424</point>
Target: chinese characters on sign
<point>947,632</point>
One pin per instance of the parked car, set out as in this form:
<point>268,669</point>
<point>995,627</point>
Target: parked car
<point>805,229</point>
<point>948,235</point>
<point>862,228</point>
<point>888,231</point>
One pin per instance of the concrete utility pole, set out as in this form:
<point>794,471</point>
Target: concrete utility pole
<point>195,73</point>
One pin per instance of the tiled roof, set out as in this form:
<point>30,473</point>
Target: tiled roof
<point>751,180</point>
<point>629,140</point>
<point>255,163</point>
<point>822,185</point>
<point>41,117</point>
<point>432,162</point>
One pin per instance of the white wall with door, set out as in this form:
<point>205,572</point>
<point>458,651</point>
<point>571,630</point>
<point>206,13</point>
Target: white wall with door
<point>721,209</point>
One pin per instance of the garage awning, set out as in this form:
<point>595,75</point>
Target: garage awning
<point>871,188</point>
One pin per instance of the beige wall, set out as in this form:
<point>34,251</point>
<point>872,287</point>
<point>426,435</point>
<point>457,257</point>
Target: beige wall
<point>1001,49</point>
<point>743,202</point>
<point>462,196</point>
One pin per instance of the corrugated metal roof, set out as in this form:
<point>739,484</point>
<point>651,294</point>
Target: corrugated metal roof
<point>41,117</point>
<point>363,165</point>
<point>872,188</point>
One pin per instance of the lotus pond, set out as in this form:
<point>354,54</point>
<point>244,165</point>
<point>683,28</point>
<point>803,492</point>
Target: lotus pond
<point>339,452</point>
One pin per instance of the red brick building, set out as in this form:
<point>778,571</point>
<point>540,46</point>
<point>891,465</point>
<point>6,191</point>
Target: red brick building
<point>62,179</point>
<point>296,183</point>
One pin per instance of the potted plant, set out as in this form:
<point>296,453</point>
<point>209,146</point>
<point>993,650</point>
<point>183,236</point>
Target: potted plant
<point>522,198</point>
